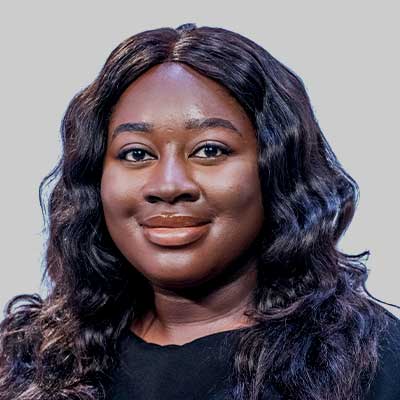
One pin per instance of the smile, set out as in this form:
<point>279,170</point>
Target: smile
<point>176,236</point>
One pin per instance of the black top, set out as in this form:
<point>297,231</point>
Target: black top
<point>199,370</point>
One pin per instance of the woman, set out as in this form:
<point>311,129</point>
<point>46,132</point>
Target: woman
<point>193,238</point>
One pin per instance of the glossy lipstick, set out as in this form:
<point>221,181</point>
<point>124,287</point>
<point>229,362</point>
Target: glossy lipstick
<point>175,230</point>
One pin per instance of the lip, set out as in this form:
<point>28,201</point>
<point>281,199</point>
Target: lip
<point>167,220</point>
<point>175,236</point>
<point>170,229</point>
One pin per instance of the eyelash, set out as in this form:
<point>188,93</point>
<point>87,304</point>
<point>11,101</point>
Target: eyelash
<point>225,151</point>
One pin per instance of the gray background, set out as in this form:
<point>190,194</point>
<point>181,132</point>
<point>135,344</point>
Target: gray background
<point>347,54</point>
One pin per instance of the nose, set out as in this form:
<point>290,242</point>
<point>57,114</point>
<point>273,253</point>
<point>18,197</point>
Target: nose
<point>170,180</point>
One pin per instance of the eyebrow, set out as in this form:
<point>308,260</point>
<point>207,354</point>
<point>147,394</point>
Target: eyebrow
<point>191,124</point>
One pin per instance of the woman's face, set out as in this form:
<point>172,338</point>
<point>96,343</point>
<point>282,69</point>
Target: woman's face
<point>179,144</point>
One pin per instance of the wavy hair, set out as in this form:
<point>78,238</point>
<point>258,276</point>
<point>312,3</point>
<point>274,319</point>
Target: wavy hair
<point>310,297</point>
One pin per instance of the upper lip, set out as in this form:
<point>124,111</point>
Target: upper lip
<point>174,221</point>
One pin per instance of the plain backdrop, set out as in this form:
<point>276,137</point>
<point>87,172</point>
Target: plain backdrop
<point>346,53</point>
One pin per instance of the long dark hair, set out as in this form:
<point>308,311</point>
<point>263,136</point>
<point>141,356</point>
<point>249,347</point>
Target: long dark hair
<point>310,298</point>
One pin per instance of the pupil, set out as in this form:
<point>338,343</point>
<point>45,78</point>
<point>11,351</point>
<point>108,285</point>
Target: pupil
<point>136,151</point>
<point>213,150</point>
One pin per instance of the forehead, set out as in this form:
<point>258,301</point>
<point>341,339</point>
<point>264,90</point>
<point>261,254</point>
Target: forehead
<point>173,92</point>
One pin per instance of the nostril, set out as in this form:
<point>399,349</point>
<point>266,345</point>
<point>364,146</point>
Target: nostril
<point>173,199</point>
<point>187,197</point>
<point>153,199</point>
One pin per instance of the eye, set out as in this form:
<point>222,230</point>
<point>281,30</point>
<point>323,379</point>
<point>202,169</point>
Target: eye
<point>210,150</point>
<point>134,154</point>
<point>137,154</point>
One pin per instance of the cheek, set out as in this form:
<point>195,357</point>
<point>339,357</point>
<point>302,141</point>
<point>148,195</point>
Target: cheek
<point>117,194</point>
<point>237,191</point>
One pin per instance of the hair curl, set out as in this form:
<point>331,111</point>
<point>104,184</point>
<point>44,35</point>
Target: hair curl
<point>310,297</point>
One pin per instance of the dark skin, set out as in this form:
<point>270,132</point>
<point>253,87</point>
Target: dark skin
<point>206,286</point>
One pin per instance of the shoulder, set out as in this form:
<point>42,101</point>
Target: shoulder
<point>386,383</point>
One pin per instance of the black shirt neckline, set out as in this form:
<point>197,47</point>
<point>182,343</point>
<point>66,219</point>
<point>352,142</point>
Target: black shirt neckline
<point>195,342</point>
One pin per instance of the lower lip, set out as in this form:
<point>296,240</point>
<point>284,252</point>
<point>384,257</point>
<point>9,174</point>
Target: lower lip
<point>175,236</point>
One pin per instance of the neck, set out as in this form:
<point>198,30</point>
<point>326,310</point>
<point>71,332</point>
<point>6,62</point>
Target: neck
<point>182,315</point>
